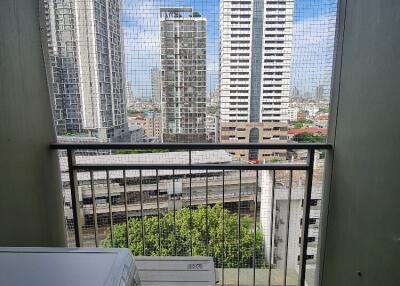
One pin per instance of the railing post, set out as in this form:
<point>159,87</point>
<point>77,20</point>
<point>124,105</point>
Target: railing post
<point>96,228</point>
<point>272,222</point>
<point>255,229</point>
<point>239,224</point>
<point>223,228</point>
<point>287,228</point>
<point>158,214</point>
<point>126,209</point>
<point>76,209</point>
<point>306,217</point>
<point>190,203</point>
<point>110,207</point>
<point>141,211</point>
<point>174,195</point>
<point>207,233</point>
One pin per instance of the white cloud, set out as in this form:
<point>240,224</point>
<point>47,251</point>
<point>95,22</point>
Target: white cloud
<point>313,43</point>
<point>141,43</point>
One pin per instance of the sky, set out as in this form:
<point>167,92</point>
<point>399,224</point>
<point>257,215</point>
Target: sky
<point>312,54</point>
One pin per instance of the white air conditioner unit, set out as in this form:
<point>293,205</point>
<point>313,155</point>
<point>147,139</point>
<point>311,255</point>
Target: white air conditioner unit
<point>67,266</point>
<point>175,270</point>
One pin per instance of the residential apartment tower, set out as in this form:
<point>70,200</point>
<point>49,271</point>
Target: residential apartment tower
<point>255,58</point>
<point>183,75</point>
<point>87,78</point>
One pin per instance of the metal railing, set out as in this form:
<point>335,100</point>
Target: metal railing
<point>236,185</point>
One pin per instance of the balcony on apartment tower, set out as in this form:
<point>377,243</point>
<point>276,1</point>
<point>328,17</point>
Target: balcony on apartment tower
<point>285,213</point>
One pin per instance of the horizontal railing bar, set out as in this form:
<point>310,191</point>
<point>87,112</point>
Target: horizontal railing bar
<point>102,167</point>
<point>191,146</point>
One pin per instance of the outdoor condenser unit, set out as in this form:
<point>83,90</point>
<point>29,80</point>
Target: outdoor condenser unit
<point>67,267</point>
<point>176,270</point>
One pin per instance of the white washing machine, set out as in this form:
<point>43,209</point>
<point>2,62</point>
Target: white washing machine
<point>67,267</point>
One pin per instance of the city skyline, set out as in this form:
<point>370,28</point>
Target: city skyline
<point>313,40</point>
<point>254,72</point>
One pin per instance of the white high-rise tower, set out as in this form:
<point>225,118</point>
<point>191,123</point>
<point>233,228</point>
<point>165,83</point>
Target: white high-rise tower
<point>85,48</point>
<point>255,59</point>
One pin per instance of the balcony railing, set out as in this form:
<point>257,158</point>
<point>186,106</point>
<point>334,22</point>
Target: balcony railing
<point>145,196</point>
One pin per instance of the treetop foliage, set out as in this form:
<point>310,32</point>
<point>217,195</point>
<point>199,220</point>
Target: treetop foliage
<point>218,238</point>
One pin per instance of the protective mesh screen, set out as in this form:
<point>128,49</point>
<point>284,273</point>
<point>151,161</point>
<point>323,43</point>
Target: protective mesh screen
<point>190,71</point>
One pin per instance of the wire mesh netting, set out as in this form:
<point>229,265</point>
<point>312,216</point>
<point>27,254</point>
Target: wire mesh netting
<point>194,71</point>
<point>249,221</point>
<point>190,70</point>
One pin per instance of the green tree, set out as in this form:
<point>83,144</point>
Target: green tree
<point>301,123</point>
<point>207,239</point>
<point>134,112</point>
<point>155,110</point>
<point>306,137</point>
<point>196,14</point>
<point>212,109</point>
<point>324,109</point>
<point>298,125</point>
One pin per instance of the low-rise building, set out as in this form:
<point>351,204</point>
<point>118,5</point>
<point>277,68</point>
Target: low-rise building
<point>255,132</point>
<point>212,128</point>
<point>150,123</point>
<point>292,111</point>
<point>174,188</point>
<point>136,133</point>
<point>83,139</point>
<point>287,225</point>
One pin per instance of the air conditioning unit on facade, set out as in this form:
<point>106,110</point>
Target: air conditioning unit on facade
<point>175,270</point>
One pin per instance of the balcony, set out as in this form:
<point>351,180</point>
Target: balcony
<point>358,229</point>
<point>193,200</point>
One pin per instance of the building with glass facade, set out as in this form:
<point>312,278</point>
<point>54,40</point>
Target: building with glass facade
<point>183,75</point>
<point>87,78</point>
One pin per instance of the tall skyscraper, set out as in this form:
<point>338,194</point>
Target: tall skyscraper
<point>255,58</point>
<point>156,86</point>
<point>128,90</point>
<point>183,75</point>
<point>319,92</point>
<point>295,92</point>
<point>87,77</point>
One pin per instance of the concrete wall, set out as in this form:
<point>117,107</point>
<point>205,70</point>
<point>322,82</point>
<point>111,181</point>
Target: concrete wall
<point>31,210</point>
<point>363,230</point>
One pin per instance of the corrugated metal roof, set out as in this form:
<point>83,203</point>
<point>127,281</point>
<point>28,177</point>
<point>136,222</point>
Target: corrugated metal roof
<point>198,157</point>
